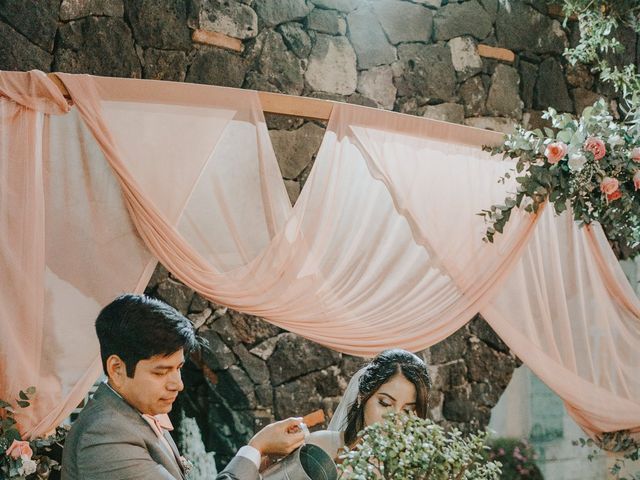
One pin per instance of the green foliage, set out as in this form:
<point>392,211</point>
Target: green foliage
<point>620,442</point>
<point>578,178</point>
<point>517,458</point>
<point>40,461</point>
<point>406,447</point>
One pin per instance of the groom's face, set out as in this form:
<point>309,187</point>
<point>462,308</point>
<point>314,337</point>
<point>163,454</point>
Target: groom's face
<point>155,383</point>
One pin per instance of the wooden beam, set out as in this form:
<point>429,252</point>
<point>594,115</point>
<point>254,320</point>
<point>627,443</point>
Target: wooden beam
<point>306,107</point>
<point>217,39</point>
<point>498,53</point>
<point>276,103</point>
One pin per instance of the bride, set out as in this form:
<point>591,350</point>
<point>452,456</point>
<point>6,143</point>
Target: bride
<point>394,381</point>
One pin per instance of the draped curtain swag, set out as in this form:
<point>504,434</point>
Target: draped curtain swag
<point>382,249</point>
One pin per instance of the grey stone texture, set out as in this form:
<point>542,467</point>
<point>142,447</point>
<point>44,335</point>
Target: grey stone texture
<point>457,19</point>
<point>551,87</point>
<point>215,66</point>
<point>99,46</point>
<point>230,17</point>
<point>447,112</point>
<point>345,6</point>
<point>159,23</point>
<point>369,40</point>
<point>164,65</point>
<point>426,69</point>
<point>327,21</point>
<point>18,53</point>
<point>275,12</point>
<point>403,21</point>
<point>296,39</point>
<point>524,28</point>
<point>474,96</point>
<point>280,67</point>
<point>75,9</point>
<point>465,57</point>
<point>36,20</point>
<point>295,149</point>
<point>335,55</point>
<point>377,84</point>
<point>503,99</point>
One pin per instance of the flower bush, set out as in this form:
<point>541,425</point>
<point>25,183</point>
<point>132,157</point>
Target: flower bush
<point>21,459</point>
<point>408,447</point>
<point>622,443</point>
<point>591,164</point>
<point>517,458</point>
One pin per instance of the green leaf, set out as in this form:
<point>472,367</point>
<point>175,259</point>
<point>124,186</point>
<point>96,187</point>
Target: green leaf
<point>23,404</point>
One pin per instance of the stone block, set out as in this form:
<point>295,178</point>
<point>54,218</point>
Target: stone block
<point>447,112</point>
<point>275,12</point>
<point>404,21</point>
<point>450,349</point>
<point>504,99</point>
<point>583,98</point>
<point>279,66</point>
<point>175,294</point>
<point>497,124</point>
<point>293,190</point>
<point>308,356</point>
<point>165,65</point>
<point>216,355</point>
<point>345,6</point>
<point>427,70</point>
<point>474,96</point>
<point>332,66</point>
<point>369,40</point>
<point>36,20</point>
<point>97,46</point>
<point>229,17</point>
<point>255,367</point>
<point>216,66</point>
<point>524,28</point>
<point>377,84</point>
<point>17,53</point>
<point>327,21</point>
<point>465,57</point>
<point>296,39</point>
<point>458,19</point>
<point>551,87</point>
<point>75,9</point>
<point>159,23</point>
<point>297,398</point>
<point>295,149</point>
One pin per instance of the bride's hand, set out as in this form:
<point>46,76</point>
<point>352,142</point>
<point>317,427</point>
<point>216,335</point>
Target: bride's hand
<point>279,438</point>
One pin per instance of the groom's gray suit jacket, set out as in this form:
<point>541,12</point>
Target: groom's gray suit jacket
<point>111,441</point>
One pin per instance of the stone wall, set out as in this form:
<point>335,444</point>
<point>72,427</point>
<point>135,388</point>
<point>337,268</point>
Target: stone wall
<point>253,372</point>
<point>462,61</point>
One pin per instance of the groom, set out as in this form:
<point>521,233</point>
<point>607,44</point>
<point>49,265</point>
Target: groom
<point>122,433</point>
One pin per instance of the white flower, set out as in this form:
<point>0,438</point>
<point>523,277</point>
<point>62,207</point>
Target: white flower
<point>28,467</point>
<point>576,161</point>
<point>615,140</point>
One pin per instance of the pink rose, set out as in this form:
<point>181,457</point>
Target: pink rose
<point>609,185</point>
<point>614,196</point>
<point>595,146</point>
<point>555,152</point>
<point>635,154</point>
<point>636,180</point>
<point>20,449</point>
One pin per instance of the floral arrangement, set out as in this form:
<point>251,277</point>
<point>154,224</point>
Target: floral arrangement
<point>591,164</point>
<point>408,447</point>
<point>622,443</point>
<point>21,459</point>
<point>517,458</point>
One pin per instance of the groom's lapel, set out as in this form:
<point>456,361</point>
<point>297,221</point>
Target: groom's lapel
<point>176,453</point>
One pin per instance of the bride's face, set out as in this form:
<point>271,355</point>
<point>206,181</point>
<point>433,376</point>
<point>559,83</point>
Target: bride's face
<point>397,395</point>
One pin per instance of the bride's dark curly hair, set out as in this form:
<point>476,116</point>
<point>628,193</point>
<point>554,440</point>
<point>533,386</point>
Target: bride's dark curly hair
<point>377,373</point>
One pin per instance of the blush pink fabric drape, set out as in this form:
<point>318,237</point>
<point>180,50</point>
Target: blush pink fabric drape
<point>383,248</point>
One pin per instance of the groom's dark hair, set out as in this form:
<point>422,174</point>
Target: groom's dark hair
<point>137,327</point>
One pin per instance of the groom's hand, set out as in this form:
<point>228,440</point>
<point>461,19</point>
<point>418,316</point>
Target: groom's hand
<point>279,438</point>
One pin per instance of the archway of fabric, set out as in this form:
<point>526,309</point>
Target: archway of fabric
<point>383,248</point>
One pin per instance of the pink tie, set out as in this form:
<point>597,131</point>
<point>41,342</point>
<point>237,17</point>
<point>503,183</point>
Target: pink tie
<point>158,423</point>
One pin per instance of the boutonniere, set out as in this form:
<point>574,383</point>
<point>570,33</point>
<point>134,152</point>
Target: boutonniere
<point>187,466</point>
